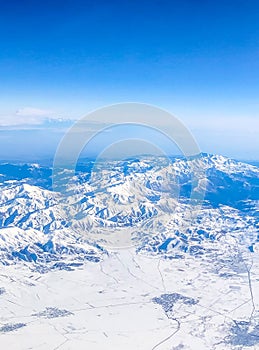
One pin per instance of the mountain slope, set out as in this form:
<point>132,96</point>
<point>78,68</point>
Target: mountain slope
<point>147,198</point>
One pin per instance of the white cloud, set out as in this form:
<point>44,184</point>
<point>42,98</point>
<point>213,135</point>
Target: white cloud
<point>33,112</point>
<point>26,116</point>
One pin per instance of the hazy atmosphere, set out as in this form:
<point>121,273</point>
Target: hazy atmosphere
<point>60,60</point>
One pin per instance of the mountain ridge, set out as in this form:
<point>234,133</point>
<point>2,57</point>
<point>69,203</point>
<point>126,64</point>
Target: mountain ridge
<point>149,197</point>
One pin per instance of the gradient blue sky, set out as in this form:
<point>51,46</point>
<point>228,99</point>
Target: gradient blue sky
<point>62,59</point>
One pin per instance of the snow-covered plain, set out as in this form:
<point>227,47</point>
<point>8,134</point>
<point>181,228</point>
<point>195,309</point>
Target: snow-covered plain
<point>189,280</point>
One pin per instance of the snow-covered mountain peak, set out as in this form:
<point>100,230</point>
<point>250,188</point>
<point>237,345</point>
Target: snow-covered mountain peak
<point>148,197</point>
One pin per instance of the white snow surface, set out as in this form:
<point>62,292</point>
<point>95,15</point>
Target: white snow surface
<point>189,280</point>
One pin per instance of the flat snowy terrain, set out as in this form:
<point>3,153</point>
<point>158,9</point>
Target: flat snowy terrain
<point>130,301</point>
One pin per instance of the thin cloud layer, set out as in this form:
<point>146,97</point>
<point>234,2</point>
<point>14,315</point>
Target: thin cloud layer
<point>26,116</point>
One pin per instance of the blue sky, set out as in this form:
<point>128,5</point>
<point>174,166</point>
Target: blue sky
<point>197,59</point>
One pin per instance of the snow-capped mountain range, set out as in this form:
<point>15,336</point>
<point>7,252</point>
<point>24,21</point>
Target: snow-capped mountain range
<point>167,207</point>
<point>187,280</point>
